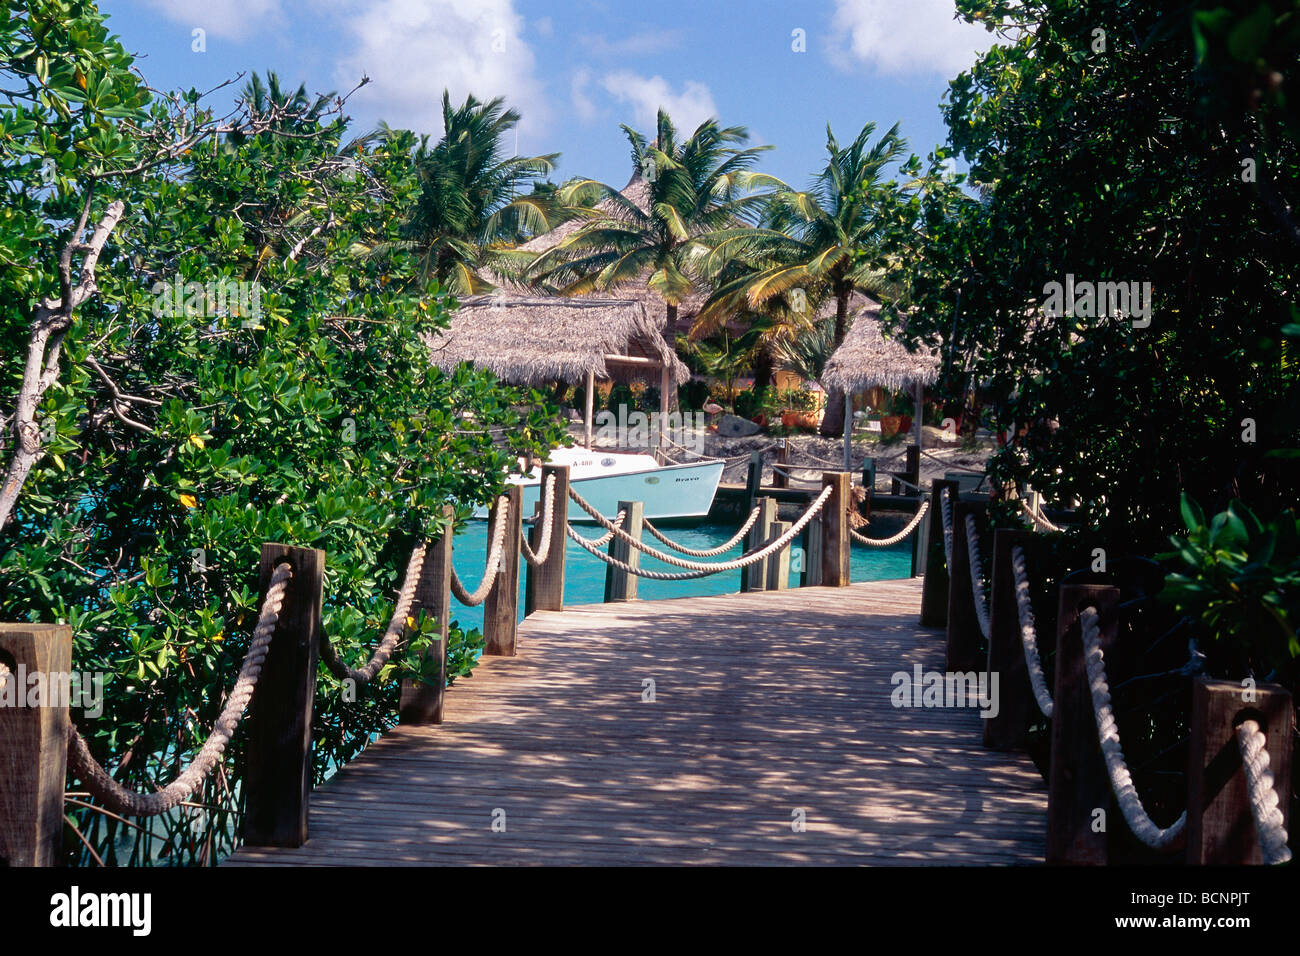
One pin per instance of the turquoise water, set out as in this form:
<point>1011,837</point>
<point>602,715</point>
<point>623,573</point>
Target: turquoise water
<point>584,575</point>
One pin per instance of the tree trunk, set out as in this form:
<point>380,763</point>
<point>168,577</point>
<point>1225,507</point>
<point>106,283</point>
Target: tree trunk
<point>833,417</point>
<point>763,368</point>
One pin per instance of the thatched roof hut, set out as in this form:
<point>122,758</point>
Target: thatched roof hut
<point>532,340</point>
<point>866,359</point>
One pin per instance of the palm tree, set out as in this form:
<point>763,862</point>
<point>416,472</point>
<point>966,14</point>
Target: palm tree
<point>683,190</point>
<point>835,239</point>
<point>472,211</point>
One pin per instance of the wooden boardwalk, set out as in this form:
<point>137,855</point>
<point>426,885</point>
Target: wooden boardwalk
<point>765,705</point>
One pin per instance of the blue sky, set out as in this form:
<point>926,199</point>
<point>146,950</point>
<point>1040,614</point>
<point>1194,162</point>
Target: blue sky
<point>578,69</point>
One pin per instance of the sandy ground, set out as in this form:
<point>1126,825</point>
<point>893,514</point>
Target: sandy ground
<point>810,455</point>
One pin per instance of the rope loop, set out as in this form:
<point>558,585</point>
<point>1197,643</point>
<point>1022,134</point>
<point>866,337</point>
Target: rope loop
<point>116,798</point>
<point>886,542</point>
<point>495,554</point>
<point>392,636</point>
<point>709,552</point>
<point>538,557</point>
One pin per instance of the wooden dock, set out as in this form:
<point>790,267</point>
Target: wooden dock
<point>768,708</point>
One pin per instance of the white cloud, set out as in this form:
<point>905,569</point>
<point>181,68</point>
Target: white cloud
<point>641,43</point>
<point>919,36</point>
<point>234,19</point>
<point>583,105</point>
<point>413,49</point>
<point>692,106</point>
<point>545,27</point>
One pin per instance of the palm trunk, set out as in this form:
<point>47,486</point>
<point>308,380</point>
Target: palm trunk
<point>764,368</point>
<point>833,418</point>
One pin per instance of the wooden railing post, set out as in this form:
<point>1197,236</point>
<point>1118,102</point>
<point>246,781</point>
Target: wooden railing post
<point>1220,828</point>
<point>778,565</point>
<point>869,478</point>
<point>835,529</point>
<point>278,777</point>
<point>621,585</point>
<point>421,702</point>
<point>33,744</point>
<point>934,590</point>
<point>501,608</point>
<point>1077,785</point>
<point>1009,730</point>
<point>779,478</point>
<point>544,587</point>
<point>964,635</point>
<point>753,480</point>
<point>753,577</point>
<point>919,539</point>
<point>811,542</point>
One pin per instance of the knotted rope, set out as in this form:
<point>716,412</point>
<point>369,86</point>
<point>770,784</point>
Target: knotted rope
<point>706,552</point>
<point>1038,519</point>
<point>697,570</point>
<point>392,636</point>
<point>118,799</point>
<point>977,577</point>
<point>538,557</point>
<point>1029,634</point>
<point>1121,780</point>
<point>886,542</point>
<point>1262,791</point>
<point>495,554</point>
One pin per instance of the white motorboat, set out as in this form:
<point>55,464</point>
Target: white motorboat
<point>604,478</point>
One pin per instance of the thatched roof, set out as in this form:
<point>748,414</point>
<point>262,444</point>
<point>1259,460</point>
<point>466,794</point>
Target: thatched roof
<point>866,359</point>
<point>532,340</point>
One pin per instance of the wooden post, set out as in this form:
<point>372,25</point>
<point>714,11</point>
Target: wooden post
<point>934,590</point>
<point>779,478</point>
<point>501,608</point>
<point>778,565</point>
<point>964,637</point>
<point>33,744</point>
<point>918,423</point>
<point>665,384</point>
<point>835,529</point>
<point>277,779</point>
<point>591,398</point>
<point>848,430</point>
<point>753,577</point>
<point>420,702</point>
<point>1220,828</point>
<point>869,478</point>
<point>1077,785</point>
<point>754,480</point>
<point>621,585</point>
<point>1010,728</point>
<point>812,553</point>
<point>920,539</point>
<point>544,587</point>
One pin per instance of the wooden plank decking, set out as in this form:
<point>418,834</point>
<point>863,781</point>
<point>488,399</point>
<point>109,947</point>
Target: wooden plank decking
<point>765,704</point>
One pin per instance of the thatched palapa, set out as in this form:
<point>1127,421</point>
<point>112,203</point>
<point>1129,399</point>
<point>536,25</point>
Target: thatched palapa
<point>533,340</point>
<point>866,359</point>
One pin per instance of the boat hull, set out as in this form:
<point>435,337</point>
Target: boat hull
<point>669,491</point>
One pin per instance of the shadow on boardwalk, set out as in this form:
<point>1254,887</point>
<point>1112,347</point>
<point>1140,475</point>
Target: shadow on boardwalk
<point>765,706</point>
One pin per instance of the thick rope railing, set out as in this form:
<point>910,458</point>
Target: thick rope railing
<point>706,552</point>
<point>1269,821</point>
<point>495,554</point>
<point>538,557</point>
<point>1038,519</point>
<point>608,536</point>
<point>893,539</point>
<point>392,636</point>
<point>1121,780</point>
<point>682,562</point>
<point>976,564</point>
<point>945,508</point>
<point>118,799</point>
<point>702,570</point>
<point>1029,634</point>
